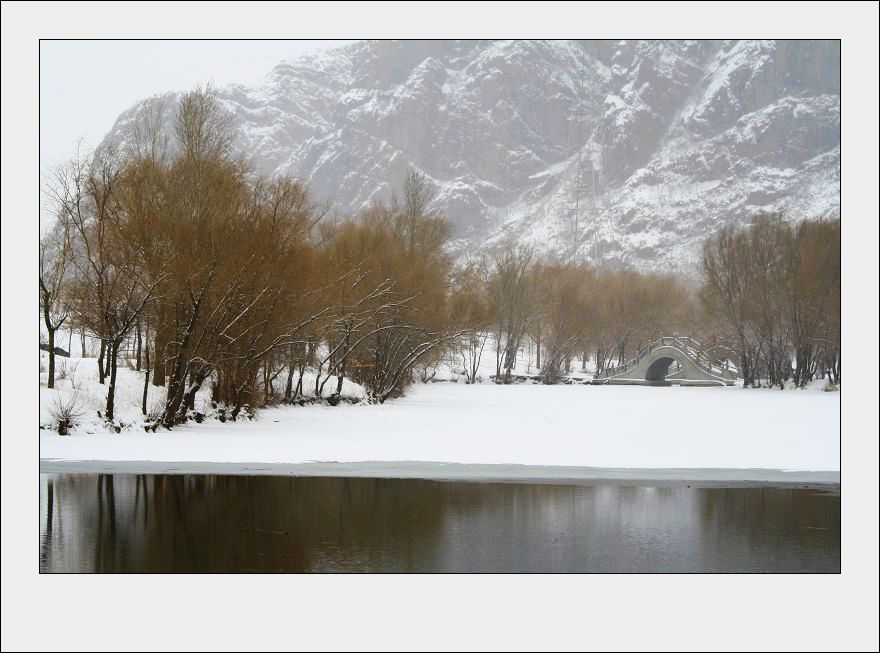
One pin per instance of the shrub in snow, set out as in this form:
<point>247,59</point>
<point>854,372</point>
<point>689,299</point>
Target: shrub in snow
<point>71,374</point>
<point>67,409</point>
<point>66,370</point>
<point>154,412</point>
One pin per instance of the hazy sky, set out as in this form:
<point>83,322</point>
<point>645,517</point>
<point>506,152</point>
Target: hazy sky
<point>85,85</point>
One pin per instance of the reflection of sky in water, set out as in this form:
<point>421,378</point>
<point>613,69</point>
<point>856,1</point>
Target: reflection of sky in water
<point>240,523</point>
<point>575,528</point>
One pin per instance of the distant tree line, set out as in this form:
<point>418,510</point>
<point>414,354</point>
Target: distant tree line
<point>767,299</point>
<point>569,311</point>
<point>218,277</point>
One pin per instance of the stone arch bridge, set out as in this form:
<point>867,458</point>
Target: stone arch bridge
<point>675,360</point>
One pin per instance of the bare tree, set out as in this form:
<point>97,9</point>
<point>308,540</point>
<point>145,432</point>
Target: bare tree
<point>728,285</point>
<point>772,292</point>
<point>565,295</point>
<point>109,291</point>
<point>54,263</point>
<point>512,290</point>
<point>203,129</point>
<point>469,312</point>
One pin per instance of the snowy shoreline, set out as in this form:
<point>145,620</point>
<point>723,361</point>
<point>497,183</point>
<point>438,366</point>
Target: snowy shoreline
<point>438,471</point>
<point>491,432</point>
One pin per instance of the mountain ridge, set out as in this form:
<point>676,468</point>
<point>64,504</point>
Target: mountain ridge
<point>624,153</point>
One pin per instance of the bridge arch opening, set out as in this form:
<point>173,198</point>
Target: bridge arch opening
<point>659,369</point>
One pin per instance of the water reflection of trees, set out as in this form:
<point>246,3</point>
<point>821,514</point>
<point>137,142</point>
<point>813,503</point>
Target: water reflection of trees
<point>764,509</point>
<point>176,523</point>
<point>756,520</point>
<point>186,523</point>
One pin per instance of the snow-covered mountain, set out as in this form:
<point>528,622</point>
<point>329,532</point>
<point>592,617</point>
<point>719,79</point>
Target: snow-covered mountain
<point>625,152</point>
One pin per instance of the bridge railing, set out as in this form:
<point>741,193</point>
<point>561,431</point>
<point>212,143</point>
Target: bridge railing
<point>620,369</point>
<point>701,358</point>
<point>628,365</point>
<point>692,349</point>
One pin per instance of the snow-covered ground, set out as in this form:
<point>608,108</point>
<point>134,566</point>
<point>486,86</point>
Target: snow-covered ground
<point>79,376</point>
<point>526,424</point>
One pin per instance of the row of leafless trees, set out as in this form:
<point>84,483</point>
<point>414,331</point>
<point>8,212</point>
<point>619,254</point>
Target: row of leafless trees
<point>771,293</point>
<point>568,311</point>
<point>768,300</point>
<point>224,278</point>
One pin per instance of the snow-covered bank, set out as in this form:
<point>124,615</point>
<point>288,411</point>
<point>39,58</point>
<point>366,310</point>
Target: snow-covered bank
<point>618,427</point>
<point>79,376</point>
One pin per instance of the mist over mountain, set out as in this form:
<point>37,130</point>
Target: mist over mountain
<point>619,152</point>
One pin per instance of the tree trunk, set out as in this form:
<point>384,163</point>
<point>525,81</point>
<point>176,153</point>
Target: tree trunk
<point>298,390</point>
<point>318,379</point>
<point>340,372</point>
<point>50,383</point>
<point>146,377</point>
<point>102,369</point>
<point>196,379</point>
<point>139,345</point>
<point>339,379</point>
<point>158,362</point>
<point>498,357</point>
<point>288,387</point>
<point>538,348</point>
<point>112,353</point>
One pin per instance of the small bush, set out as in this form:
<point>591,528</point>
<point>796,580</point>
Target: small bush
<point>67,410</point>
<point>155,410</point>
<point>71,374</point>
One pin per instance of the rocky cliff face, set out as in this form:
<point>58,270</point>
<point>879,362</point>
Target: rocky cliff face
<point>622,152</point>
